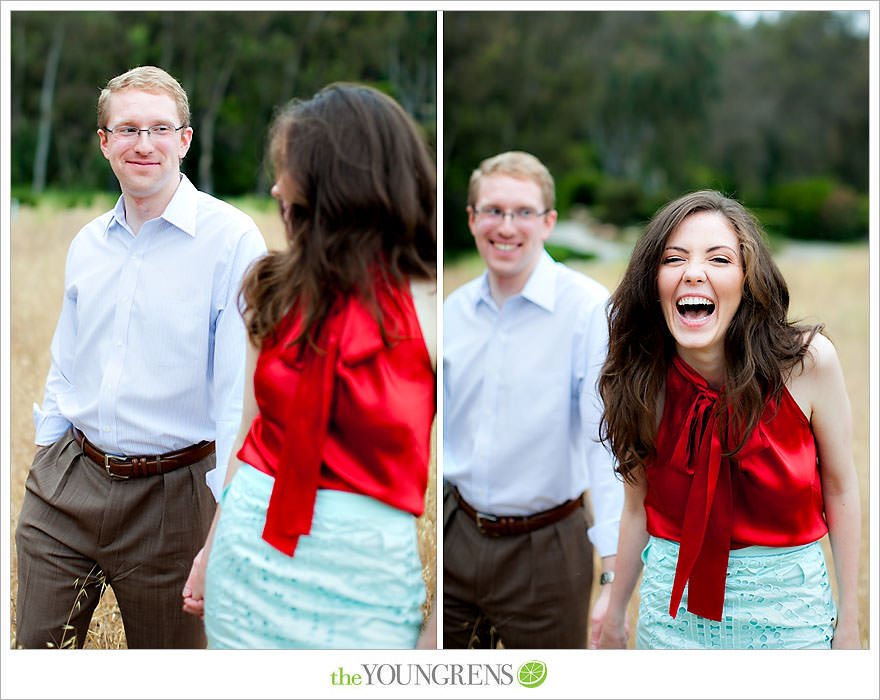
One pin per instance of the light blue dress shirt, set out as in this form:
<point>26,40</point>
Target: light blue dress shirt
<point>148,355</point>
<point>520,406</point>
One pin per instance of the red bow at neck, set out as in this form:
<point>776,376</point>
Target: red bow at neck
<point>708,518</point>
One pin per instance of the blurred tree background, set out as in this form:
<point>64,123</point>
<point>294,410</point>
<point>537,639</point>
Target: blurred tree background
<point>237,68</point>
<point>631,109</point>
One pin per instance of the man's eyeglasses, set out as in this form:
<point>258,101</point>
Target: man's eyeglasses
<point>132,133</point>
<point>522,215</point>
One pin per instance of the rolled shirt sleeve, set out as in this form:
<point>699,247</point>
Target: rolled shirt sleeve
<point>606,488</point>
<point>230,341</point>
<point>49,423</point>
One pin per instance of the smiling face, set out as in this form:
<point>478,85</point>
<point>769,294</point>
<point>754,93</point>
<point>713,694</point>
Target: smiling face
<point>509,247</point>
<point>700,284</point>
<point>146,167</point>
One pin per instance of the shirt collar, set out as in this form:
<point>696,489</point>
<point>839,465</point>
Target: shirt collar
<point>484,294</point>
<point>540,288</point>
<point>180,212</point>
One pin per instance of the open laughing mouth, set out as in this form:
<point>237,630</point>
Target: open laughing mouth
<point>694,310</point>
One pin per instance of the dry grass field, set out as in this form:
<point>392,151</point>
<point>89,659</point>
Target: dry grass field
<point>39,240</point>
<point>828,284</point>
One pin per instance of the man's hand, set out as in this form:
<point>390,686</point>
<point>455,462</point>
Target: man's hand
<point>613,636</point>
<point>194,588</point>
<point>616,638</point>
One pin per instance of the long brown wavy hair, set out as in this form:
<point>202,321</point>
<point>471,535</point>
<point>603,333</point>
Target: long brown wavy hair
<point>761,345</point>
<point>364,211</point>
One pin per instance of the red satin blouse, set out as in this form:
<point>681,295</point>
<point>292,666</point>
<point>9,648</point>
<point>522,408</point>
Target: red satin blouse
<point>356,417</point>
<point>768,494</point>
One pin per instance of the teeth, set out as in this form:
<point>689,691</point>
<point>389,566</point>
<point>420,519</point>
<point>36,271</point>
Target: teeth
<point>694,301</point>
<point>505,247</point>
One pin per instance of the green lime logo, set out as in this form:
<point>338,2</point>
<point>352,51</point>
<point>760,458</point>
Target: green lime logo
<point>531,674</point>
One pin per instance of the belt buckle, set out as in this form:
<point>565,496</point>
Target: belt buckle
<point>487,517</point>
<point>117,459</point>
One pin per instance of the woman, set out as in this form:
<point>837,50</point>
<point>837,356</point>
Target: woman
<point>314,541</point>
<point>732,431</point>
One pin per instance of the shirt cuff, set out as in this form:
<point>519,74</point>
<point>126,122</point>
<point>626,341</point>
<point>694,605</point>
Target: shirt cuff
<point>604,538</point>
<point>215,479</point>
<point>48,427</point>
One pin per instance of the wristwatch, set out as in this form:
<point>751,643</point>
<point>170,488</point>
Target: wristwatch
<point>606,577</point>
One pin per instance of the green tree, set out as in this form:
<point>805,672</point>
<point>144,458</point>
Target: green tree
<point>237,67</point>
<point>628,109</point>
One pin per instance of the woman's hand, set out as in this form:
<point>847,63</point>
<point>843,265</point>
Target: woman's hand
<point>846,637</point>
<point>428,638</point>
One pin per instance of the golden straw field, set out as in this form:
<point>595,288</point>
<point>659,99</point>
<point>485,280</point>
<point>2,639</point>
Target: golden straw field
<point>38,248</point>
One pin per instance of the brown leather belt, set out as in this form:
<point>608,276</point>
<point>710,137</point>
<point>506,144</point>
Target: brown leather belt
<point>498,525</point>
<point>125,467</point>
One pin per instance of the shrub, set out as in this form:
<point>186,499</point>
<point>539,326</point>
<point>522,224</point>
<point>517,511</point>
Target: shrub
<point>844,214</point>
<point>562,253</point>
<point>775,222</point>
<point>618,201</point>
<point>577,187</point>
<point>822,209</point>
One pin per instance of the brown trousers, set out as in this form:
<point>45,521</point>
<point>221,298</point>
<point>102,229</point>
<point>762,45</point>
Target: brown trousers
<point>80,529</point>
<point>532,591</point>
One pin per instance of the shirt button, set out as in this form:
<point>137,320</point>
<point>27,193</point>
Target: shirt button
<point>118,344</point>
<point>106,430</point>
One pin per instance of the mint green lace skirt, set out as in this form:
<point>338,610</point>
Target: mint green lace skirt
<point>355,582</point>
<point>775,598</point>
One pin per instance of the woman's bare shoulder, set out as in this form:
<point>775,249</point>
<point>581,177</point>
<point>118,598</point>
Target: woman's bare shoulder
<point>808,380</point>
<point>819,357</point>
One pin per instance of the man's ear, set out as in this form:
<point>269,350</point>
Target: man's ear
<point>548,223</point>
<point>185,142</point>
<point>104,143</point>
<point>472,219</point>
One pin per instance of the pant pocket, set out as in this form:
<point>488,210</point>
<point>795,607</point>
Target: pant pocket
<point>50,467</point>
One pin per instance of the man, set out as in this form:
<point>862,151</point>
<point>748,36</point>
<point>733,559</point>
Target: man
<point>522,349</point>
<point>147,372</point>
